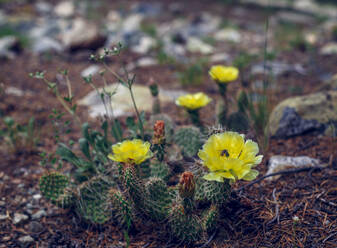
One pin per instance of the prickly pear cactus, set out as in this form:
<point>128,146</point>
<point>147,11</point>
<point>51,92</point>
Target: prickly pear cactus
<point>94,204</point>
<point>211,191</point>
<point>189,139</point>
<point>54,186</point>
<point>187,228</point>
<point>158,198</point>
<point>122,208</point>
<point>160,170</point>
<point>210,219</point>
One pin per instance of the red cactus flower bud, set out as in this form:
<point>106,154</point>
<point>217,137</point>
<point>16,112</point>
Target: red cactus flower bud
<point>159,132</point>
<point>187,185</point>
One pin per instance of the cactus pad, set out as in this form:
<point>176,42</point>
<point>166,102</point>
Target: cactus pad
<point>189,139</point>
<point>186,228</point>
<point>52,185</point>
<point>160,169</point>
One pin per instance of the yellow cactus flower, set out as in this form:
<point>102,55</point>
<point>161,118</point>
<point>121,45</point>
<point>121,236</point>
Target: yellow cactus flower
<point>228,155</point>
<point>223,74</point>
<point>131,151</point>
<point>193,101</point>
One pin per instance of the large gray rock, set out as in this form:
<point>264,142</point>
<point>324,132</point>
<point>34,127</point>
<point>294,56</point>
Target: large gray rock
<point>65,9</point>
<point>121,100</point>
<point>329,49</point>
<point>279,163</point>
<point>46,44</point>
<point>310,113</point>
<point>228,34</point>
<point>7,45</point>
<point>82,35</point>
<point>195,45</point>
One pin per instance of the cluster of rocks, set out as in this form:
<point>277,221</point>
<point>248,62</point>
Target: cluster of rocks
<point>28,216</point>
<point>65,27</point>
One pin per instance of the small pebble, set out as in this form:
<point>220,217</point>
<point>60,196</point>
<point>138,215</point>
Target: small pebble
<point>25,240</point>
<point>39,214</point>
<point>3,217</point>
<point>6,238</point>
<point>18,218</point>
<point>35,227</point>
<point>37,197</point>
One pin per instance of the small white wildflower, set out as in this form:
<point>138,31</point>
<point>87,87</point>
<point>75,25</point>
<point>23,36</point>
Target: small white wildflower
<point>296,218</point>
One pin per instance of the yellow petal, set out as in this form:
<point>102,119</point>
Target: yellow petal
<point>193,101</point>
<point>251,175</point>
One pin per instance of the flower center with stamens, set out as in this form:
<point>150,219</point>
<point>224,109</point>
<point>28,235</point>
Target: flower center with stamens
<point>224,152</point>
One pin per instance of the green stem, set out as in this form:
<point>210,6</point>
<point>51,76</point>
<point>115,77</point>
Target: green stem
<point>140,123</point>
<point>223,112</point>
<point>194,116</point>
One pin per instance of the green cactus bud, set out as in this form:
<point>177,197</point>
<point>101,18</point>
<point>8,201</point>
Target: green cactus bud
<point>187,228</point>
<point>154,89</point>
<point>189,139</point>
<point>52,185</point>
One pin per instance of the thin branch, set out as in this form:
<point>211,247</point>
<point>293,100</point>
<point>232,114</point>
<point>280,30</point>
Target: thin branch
<point>284,172</point>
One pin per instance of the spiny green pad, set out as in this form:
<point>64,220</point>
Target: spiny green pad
<point>189,139</point>
<point>212,191</point>
<point>144,170</point>
<point>121,208</point>
<point>94,204</point>
<point>210,218</point>
<point>160,169</point>
<point>66,199</point>
<point>52,185</point>
<point>158,198</point>
<point>186,228</point>
<point>135,190</point>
